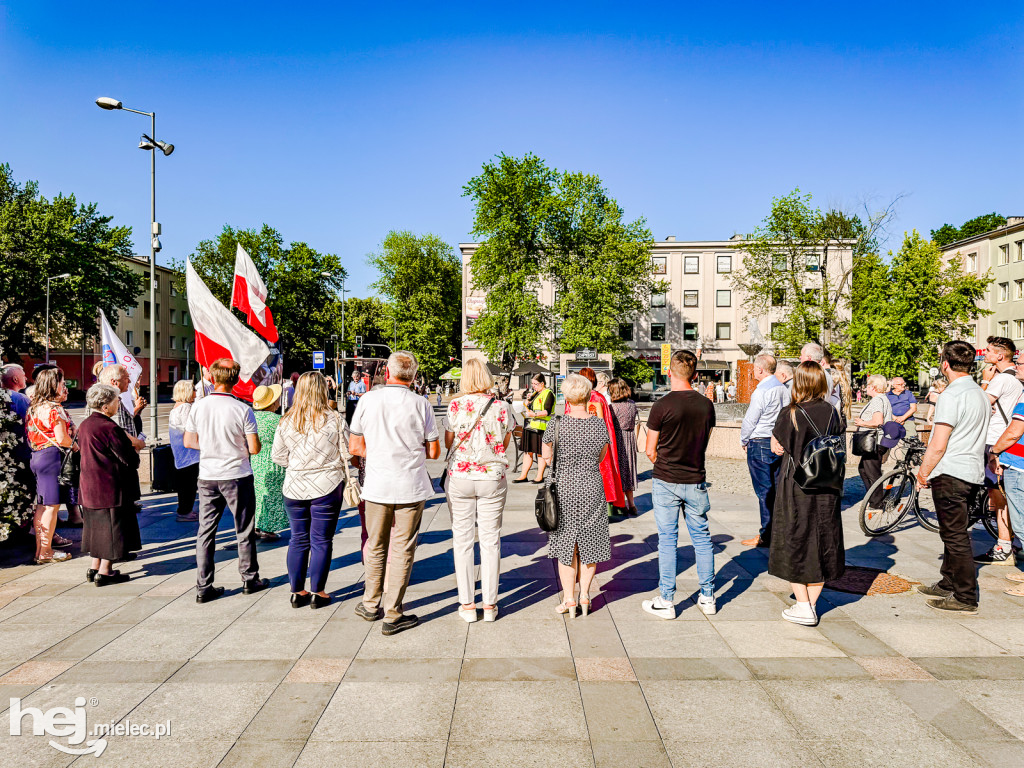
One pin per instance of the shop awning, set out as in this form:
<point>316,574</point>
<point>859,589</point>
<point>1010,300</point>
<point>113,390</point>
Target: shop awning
<point>713,365</point>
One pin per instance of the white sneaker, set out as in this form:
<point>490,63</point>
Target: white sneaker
<point>707,604</point>
<point>490,614</point>
<point>468,614</point>
<point>801,613</point>
<point>660,607</point>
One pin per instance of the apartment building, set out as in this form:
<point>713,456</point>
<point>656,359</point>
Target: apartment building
<point>999,253</point>
<point>700,307</point>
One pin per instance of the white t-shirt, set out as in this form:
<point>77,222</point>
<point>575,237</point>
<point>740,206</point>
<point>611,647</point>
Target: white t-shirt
<point>1006,388</point>
<point>395,422</point>
<point>222,423</point>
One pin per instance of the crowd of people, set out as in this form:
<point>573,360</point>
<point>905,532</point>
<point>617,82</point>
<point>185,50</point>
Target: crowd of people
<point>295,471</point>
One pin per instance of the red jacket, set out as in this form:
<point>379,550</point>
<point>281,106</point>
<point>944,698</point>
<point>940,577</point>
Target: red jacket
<point>610,466</point>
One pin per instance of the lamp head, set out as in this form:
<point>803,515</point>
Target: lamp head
<point>146,143</point>
<point>105,102</point>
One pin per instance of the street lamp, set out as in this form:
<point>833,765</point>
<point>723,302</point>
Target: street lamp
<point>65,276</point>
<point>330,275</point>
<point>149,143</point>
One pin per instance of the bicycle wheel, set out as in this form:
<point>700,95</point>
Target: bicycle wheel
<point>899,495</point>
<point>928,518</point>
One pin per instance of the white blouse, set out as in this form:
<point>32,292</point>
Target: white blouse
<point>481,456</point>
<point>315,462</point>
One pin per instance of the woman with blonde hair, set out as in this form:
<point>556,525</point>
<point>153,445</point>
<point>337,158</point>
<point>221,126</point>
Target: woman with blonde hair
<point>845,390</point>
<point>186,460</point>
<point>311,443</point>
<point>478,431</point>
<point>876,413</point>
<point>807,546</point>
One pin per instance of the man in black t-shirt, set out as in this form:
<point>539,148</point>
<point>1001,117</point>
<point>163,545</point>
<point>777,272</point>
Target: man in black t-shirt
<point>678,430</point>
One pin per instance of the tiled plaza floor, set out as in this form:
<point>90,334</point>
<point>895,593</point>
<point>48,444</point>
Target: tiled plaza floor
<point>249,681</point>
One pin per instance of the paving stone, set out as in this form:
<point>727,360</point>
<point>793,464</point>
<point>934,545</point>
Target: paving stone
<point>84,642</point>
<point>204,712</point>
<point>23,641</point>
<point>340,639</point>
<point>387,712</point>
<point>690,669</point>
<point>291,712</point>
<point>922,752</point>
<point>940,706</point>
<point>893,668</point>
<point>674,639</point>
<point>508,639</point>
<point>973,668</point>
<point>641,754</point>
<point>594,638</point>
<point>545,711</point>
<point>710,710</point>
<point>269,640</point>
<point>115,671</point>
<point>377,754</point>
<point>34,673</point>
<point>937,637</point>
<point>158,641</point>
<point>262,754</point>
<point>150,753</point>
<point>851,638</point>
<point>617,711</point>
<point>763,639</point>
<point>1001,700</point>
<point>518,669</point>
<point>530,754</point>
<point>202,671</point>
<point>994,754</point>
<point>806,669</point>
<point>604,668</point>
<point>443,638</point>
<point>726,751</point>
<point>318,671</point>
<point>402,670</point>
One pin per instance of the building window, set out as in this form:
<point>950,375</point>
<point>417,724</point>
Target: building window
<point>723,331</point>
<point>1004,328</point>
<point>724,264</point>
<point>157,311</point>
<point>1004,291</point>
<point>1018,329</point>
<point>184,317</point>
<point>660,265</point>
<point>129,339</point>
<point>691,265</point>
<point>657,300</point>
<point>1018,254</point>
<point>145,339</point>
<point>813,262</point>
<point>779,263</point>
<point>690,298</point>
<point>130,312</point>
<point>972,262</point>
<point>723,298</point>
<point>778,297</point>
<point>146,310</point>
<point>690,332</point>
<point>174,316</point>
<point>174,291</point>
<point>1004,254</point>
<point>1018,289</point>
<point>174,342</point>
<point>657,331</point>
<point>626,331</point>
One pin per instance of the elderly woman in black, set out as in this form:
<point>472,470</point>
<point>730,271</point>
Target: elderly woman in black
<point>108,488</point>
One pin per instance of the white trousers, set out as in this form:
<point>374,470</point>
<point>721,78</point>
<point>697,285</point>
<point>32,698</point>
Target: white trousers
<point>477,504</point>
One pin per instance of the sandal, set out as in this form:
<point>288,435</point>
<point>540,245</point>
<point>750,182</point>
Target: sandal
<point>567,606</point>
<point>55,557</point>
<point>584,605</point>
<point>60,541</point>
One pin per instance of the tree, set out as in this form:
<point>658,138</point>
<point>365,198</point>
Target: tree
<point>979,225</point>
<point>538,224</point>
<point>42,238</point>
<point>804,260</point>
<point>908,309</point>
<point>421,277</point>
<point>305,304</point>
<point>372,320</point>
<point>634,370</point>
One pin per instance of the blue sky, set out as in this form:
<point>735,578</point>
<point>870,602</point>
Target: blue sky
<point>338,123</point>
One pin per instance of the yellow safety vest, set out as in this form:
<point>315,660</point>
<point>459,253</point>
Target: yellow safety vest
<point>540,424</point>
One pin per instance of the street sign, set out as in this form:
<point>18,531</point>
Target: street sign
<point>318,361</point>
<point>666,358</point>
<point>586,354</point>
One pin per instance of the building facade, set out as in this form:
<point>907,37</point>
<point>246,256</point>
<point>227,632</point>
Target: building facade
<point>700,308</point>
<point>999,253</point>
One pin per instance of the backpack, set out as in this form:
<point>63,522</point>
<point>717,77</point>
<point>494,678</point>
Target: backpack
<point>822,466</point>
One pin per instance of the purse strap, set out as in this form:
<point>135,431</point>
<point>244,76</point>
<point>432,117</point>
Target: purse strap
<point>342,451</point>
<point>554,447</point>
<point>455,446</point>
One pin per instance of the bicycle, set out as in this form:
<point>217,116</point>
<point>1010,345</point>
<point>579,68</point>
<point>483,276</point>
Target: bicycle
<point>900,497</point>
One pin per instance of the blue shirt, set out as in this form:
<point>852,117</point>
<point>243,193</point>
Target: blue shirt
<point>766,402</point>
<point>1013,456</point>
<point>902,402</point>
<point>19,403</point>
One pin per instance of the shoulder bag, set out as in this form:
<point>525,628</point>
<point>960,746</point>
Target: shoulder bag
<point>352,495</point>
<point>822,466</point>
<point>70,463</point>
<point>546,507</point>
<point>455,446</point>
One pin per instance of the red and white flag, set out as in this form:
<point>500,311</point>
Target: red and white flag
<point>249,294</point>
<point>219,334</point>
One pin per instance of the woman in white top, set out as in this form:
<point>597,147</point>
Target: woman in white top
<point>186,460</point>
<point>311,443</point>
<point>478,432</point>
<point>876,413</point>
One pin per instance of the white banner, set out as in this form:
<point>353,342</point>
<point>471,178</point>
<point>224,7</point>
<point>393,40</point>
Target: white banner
<point>115,352</point>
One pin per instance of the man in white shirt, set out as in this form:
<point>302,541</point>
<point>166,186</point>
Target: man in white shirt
<point>815,353</point>
<point>223,429</point>
<point>394,430</point>
<point>1003,391</point>
<point>766,402</point>
<point>954,467</point>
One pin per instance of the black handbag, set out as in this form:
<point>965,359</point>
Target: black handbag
<point>822,466</point>
<point>546,507</point>
<point>70,468</point>
<point>865,442</point>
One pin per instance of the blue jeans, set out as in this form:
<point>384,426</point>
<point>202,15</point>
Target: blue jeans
<point>692,500</point>
<point>312,522</point>
<point>763,466</point>
<point>1013,484</point>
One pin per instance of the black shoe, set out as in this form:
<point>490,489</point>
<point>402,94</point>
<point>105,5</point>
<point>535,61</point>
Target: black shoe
<point>300,601</point>
<point>114,577</point>
<point>934,590</point>
<point>996,556</point>
<point>364,613</point>
<point>633,511</point>
<point>208,594</point>
<point>319,602</point>
<point>254,585</point>
<point>404,622</point>
<point>521,480</point>
<point>619,512</point>
<point>266,535</point>
<point>950,603</point>
<point>90,574</point>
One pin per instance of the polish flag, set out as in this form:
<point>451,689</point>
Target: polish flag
<point>219,334</point>
<point>249,294</point>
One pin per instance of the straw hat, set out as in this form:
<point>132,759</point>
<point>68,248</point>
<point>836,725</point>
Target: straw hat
<point>264,397</point>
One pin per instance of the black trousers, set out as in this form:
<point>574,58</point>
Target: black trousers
<point>959,574</point>
<point>186,483</point>
<point>870,469</point>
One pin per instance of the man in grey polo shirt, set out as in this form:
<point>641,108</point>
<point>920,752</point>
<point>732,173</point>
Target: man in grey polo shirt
<point>954,467</point>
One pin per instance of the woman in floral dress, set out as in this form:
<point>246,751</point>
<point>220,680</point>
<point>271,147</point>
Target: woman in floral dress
<point>478,432</point>
<point>271,516</point>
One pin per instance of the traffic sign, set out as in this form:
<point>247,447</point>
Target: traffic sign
<point>666,358</point>
<point>318,361</point>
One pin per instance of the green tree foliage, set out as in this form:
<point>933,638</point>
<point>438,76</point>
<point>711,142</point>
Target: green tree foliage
<point>305,304</point>
<point>537,224</point>
<point>906,310</point>
<point>372,320</point>
<point>634,370</point>
<point>421,278</point>
<point>41,238</point>
<point>979,225</point>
